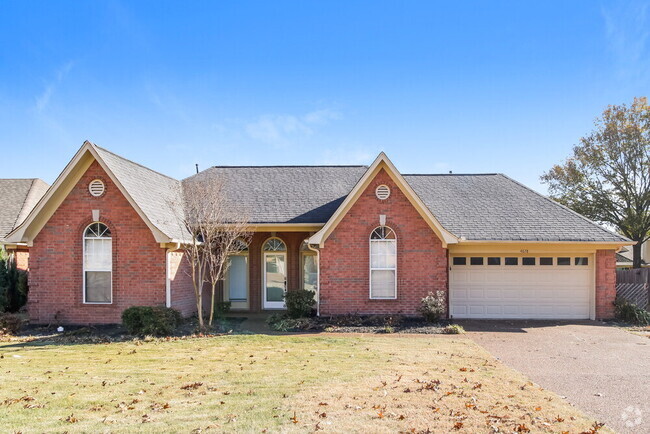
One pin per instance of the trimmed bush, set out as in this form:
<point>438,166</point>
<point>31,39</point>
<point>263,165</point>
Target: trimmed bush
<point>631,313</point>
<point>10,323</point>
<point>453,329</point>
<point>433,306</point>
<point>221,308</point>
<point>13,284</point>
<point>299,303</point>
<point>151,320</point>
<point>281,322</point>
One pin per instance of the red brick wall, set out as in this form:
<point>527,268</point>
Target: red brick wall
<point>182,288</point>
<point>605,283</point>
<point>345,269</point>
<point>56,266</point>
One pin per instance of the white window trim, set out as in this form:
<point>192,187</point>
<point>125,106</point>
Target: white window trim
<point>83,259</point>
<point>370,241</point>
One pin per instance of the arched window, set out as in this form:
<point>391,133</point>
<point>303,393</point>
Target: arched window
<point>383,263</point>
<point>275,245</point>
<point>98,264</point>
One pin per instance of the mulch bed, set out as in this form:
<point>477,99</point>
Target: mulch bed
<point>365,324</point>
<point>46,335</point>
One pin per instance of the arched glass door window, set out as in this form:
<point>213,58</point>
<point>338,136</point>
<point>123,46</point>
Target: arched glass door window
<point>383,263</point>
<point>275,273</point>
<point>275,245</point>
<point>97,264</point>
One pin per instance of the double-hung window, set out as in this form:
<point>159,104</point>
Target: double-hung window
<point>383,263</point>
<point>97,264</point>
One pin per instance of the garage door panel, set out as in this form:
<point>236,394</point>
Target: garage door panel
<point>544,292</point>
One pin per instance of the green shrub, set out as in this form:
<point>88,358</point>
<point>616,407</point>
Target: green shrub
<point>221,308</point>
<point>10,323</point>
<point>299,303</point>
<point>151,320</point>
<point>453,329</point>
<point>281,322</point>
<point>13,284</point>
<point>631,313</point>
<point>433,306</point>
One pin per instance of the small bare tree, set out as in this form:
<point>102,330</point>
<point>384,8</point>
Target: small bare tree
<point>215,226</point>
<point>229,237</point>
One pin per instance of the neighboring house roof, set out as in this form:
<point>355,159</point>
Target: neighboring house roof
<point>17,198</point>
<point>158,196</point>
<point>487,207</point>
<point>285,194</point>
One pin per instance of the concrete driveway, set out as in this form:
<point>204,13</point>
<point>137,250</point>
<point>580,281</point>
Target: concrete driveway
<point>603,370</point>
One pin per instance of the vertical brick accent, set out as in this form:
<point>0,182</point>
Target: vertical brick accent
<point>605,283</point>
<point>344,267</point>
<point>182,288</point>
<point>56,263</point>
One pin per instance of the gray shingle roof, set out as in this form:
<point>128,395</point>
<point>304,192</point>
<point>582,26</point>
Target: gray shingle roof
<point>478,207</point>
<point>286,194</point>
<point>495,207</point>
<point>153,192</point>
<point>17,198</point>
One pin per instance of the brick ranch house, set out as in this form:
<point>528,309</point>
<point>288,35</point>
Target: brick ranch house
<point>367,239</point>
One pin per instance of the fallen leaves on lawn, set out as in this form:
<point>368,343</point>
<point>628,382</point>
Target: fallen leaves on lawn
<point>192,386</point>
<point>71,419</point>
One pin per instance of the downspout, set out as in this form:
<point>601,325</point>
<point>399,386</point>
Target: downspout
<point>168,280</point>
<point>317,277</point>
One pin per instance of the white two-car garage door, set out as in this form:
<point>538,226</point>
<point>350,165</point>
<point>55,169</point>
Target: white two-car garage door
<point>529,287</point>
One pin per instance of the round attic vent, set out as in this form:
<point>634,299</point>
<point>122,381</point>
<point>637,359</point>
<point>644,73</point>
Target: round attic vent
<point>96,187</point>
<point>382,192</point>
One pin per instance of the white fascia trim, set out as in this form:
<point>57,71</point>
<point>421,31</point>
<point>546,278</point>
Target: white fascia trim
<point>446,237</point>
<point>613,243</point>
<point>159,235</point>
<point>18,234</point>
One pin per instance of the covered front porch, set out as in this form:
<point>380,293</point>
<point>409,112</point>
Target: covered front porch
<point>273,263</point>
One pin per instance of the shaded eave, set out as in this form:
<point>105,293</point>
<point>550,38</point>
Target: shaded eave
<point>382,162</point>
<point>56,194</point>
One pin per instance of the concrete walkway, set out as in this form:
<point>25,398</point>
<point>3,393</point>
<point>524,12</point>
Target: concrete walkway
<point>601,369</point>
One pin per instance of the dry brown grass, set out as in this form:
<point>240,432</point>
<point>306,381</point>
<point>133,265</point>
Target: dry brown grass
<point>273,383</point>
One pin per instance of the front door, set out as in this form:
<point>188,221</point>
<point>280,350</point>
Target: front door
<point>275,280</point>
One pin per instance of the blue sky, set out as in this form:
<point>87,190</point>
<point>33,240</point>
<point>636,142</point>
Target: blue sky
<point>465,86</point>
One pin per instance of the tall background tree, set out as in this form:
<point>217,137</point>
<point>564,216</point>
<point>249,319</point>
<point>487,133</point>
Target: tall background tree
<point>608,176</point>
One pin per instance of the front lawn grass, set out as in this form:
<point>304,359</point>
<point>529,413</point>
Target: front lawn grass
<point>257,383</point>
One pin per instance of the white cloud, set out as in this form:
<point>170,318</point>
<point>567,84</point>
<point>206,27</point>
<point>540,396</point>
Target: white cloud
<point>627,30</point>
<point>43,100</point>
<point>281,129</point>
<point>348,155</point>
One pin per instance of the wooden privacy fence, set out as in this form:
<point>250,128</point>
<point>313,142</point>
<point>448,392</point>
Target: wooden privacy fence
<point>634,286</point>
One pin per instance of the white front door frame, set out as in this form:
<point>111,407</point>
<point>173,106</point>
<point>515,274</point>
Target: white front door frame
<point>273,304</point>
